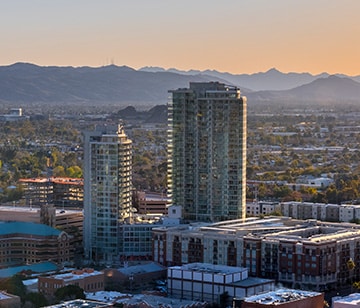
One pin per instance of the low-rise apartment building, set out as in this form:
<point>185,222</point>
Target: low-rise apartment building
<point>321,211</point>
<point>309,254</point>
<point>61,191</point>
<point>260,208</point>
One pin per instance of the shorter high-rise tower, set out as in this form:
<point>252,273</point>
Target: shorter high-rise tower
<point>107,191</point>
<point>207,151</point>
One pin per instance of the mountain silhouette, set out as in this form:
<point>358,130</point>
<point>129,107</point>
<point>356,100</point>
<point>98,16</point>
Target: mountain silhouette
<point>328,90</point>
<point>273,79</point>
<point>28,83</point>
<point>25,84</point>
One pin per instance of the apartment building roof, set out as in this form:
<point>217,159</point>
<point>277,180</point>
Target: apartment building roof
<point>351,299</point>
<point>34,209</point>
<point>210,268</point>
<point>57,180</point>
<point>280,296</point>
<point>147,300</point>
<point>251,282</point>
<point>315,233</point>
<point>142,268</point>
<point>79,303</point>
<point>76,275</point>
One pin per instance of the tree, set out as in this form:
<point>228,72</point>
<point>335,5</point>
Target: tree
<point>74,172</point>
<point>59,171</point>
<point>293,196</point>
<point>331,194</point>
<point>281,191</point>
<point>69,292</point>
<point>36,299</point>
<point>13,285</point>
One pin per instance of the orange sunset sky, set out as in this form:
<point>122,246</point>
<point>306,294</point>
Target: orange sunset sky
<point>237,36</point>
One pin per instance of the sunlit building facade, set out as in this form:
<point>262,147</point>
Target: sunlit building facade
<point>60,191</point>
<point>207,151</point>
<point>308,254</point>
<point>107,191</point>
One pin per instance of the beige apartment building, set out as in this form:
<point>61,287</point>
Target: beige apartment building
<point>309,254</point>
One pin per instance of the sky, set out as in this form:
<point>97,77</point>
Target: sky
<point>236,36</point>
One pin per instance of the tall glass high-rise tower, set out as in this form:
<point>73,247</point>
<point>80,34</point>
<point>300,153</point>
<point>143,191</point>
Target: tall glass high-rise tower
<point>207,151</point>
<point>107,191</point>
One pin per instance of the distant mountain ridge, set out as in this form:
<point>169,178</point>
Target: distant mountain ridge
<point>23,84</point>
<point>273,79</point>
<point>322,91</point>
<point>29,83</point>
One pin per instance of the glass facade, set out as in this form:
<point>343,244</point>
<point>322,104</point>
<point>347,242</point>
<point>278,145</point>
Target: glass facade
<point>107,192</point>
<point>207,151</point>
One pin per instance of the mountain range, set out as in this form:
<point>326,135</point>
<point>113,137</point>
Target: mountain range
<point>25,84</point>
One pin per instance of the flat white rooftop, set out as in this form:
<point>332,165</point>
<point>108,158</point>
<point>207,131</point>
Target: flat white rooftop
<point>75,275</point>
<point>352,299</point>
<point>280,296</point>
<point>3,296</point>
<point>33,209</point>
<point>210,268</point>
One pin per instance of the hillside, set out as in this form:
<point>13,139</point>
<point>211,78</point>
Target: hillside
<point>330,90</point>
<point>272,80</point>
<point>25,84</point>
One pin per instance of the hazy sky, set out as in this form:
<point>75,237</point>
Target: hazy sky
<point>237,36</point>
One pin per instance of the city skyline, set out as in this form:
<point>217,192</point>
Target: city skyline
<point>229,36</point>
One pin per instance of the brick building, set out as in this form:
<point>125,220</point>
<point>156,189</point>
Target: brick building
<point>307,254</point>
<point>87,279</point>
<point>284,298</point>
<point>27,243</point>
<point>151,203</point>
